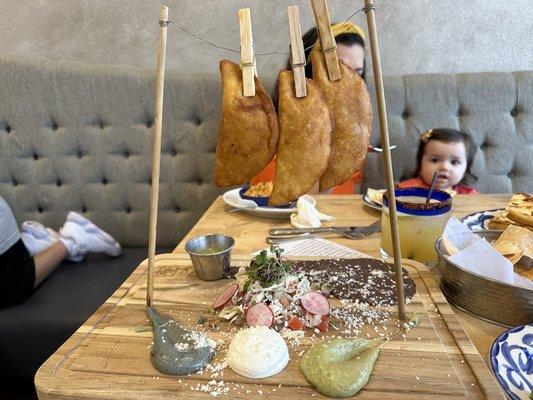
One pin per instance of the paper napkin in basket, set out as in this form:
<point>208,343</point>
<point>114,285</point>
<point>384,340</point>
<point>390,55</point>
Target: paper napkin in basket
<point>476,255</point>
<point>307,216</point>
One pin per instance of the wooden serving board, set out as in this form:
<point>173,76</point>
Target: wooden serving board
<point>108,357</point>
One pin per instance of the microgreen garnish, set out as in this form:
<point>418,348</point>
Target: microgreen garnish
<point>268,270</point>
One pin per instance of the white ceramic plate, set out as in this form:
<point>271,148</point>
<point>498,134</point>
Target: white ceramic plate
<point>232,199</point>
<point>511,361</point>
<point>479,221</point>
<point>371,203</point>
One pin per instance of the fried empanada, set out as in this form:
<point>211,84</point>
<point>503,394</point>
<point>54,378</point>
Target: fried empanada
<point>350,105</point>
<point>248,132</point>
<point>305,140</point>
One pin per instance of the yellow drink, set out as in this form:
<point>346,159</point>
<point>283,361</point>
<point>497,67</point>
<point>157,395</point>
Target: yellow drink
<point>418,228</point>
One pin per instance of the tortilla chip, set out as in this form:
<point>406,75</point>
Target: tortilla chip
<point>519,212</point>
<point>515,243</point>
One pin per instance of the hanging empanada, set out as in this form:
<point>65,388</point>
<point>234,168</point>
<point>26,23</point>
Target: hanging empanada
<point>349,102</point>
<point>304,143</point>
<point>248,131</point>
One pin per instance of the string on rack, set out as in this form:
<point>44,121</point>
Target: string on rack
<point>167,22</point>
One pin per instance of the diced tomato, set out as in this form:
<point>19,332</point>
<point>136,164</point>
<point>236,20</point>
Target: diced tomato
<point>324,324</point>
<point>297,324</point>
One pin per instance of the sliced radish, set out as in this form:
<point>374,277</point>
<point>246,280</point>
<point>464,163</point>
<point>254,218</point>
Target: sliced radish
<point>259,315</point>
<point>297,324</point>
<point>324,324</point>
<point>225,297</point>
<point>315,303</point>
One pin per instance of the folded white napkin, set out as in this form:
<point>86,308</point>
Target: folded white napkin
<point>307,216</point>
<point>475,254</point>
<point>457,236</point>
<point>481,258</point>
<point>239,202</point>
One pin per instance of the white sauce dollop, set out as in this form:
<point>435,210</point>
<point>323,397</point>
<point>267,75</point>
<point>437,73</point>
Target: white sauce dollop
<point>258,352</point>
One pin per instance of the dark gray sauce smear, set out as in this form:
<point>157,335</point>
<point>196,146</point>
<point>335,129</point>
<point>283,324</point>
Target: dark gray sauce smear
<point>165,357</point>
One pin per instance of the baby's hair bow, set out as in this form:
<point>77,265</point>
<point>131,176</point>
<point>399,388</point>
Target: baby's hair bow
<point>426,135</point>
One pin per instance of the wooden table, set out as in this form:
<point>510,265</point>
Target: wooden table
<point>250,232</point>
<point>107,357</point>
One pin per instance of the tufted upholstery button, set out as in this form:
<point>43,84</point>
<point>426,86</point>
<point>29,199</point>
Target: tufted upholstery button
<point>199,181</point>
<point>8,129</point>
<point>128,210</point>
<point>58,182</point>
<point>35,156</point>
<point>80,154</point>
<point>149,122</point>
<point>484,146</point>
<point>104,181</point>
<point>126,154</point>
<point>174,152</point>
<point>101,124</point>
<point>511,174</point>
<point>177,209</point>
<point>405,114</point>
<point>54,126</point>
<point>15,183</point>
<point>150,181</point>
<point>40,210</point>
<point>197,121</point>
<point>514,112</point>
<point>459,113</point>
<point>83,209</point>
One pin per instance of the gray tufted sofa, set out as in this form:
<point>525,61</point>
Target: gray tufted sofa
<point>78,137</point>
<point>496,109</point>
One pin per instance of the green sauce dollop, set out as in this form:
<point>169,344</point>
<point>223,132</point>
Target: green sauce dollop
<point>340,367</point>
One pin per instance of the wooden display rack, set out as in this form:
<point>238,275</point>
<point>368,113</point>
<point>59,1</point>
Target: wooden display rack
<point>248,69</point>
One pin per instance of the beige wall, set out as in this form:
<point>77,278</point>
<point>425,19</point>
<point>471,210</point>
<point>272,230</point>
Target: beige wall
<point>417,36</point>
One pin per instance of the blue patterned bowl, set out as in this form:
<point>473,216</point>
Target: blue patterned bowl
<point>260,201</point>
<point>511,361</point>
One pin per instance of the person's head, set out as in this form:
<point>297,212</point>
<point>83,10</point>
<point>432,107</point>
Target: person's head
<point>447,152</point>
<point>350,41</point>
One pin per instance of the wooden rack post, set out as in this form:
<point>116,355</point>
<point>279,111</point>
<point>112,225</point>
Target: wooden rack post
<point>247,53</point>
<point>327,40</point>
<point>297,51</point>
<point>384,130</point>
<point>156,150</point>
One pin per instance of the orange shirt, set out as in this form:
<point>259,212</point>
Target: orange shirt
<point>417,182</point>
<point>348,187</point>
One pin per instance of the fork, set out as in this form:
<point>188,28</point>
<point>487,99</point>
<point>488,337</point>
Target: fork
<point>353,234</point>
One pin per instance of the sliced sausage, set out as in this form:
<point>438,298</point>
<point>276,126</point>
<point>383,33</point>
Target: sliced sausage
<point>260,315</point>
<point>225,297</point>
<point>315,303</point>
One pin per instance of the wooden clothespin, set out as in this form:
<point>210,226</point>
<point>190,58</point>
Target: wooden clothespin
<point>247,53</point>
<point>327,40</point>
<point>297,51</point>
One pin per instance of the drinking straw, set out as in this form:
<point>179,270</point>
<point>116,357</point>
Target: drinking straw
<point>432,187</point>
